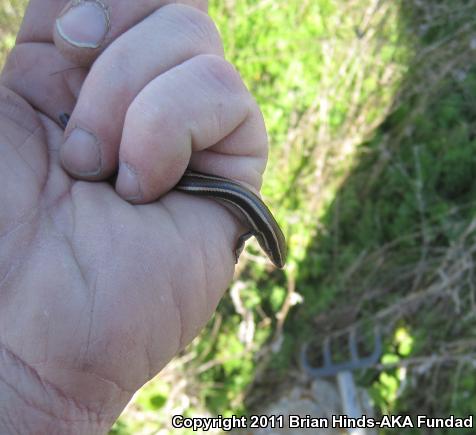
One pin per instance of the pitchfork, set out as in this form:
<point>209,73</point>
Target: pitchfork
<point>343,371</point>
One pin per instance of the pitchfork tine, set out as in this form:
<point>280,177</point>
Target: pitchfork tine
<point>329,368</point>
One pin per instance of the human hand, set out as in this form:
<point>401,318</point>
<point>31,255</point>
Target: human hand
<point>99,293</point>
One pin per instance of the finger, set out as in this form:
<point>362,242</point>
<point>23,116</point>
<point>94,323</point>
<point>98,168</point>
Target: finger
<point>191,108</point>
<point>43,77</point>
<point>163,40</point>
<point>35,65</point>
<point>40,17</point>
<point>106,21</point>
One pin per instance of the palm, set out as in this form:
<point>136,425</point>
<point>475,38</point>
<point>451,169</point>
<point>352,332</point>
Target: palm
<point>98,294</point>
<point>108,291</point>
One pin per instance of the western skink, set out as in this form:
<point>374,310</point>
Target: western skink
<point>250,207</point>
<point>254,212</point>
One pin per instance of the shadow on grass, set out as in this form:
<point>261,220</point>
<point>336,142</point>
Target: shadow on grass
<point>399,240</point>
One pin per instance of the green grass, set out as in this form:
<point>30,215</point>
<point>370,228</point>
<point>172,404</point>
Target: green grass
<point>10,16</point>
<point>371,113</point>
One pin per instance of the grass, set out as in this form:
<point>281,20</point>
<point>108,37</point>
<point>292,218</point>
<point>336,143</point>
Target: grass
<point>371,111</point>
<point>10,16</point>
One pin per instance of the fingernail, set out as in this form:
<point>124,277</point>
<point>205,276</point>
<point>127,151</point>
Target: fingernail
<point>127,184</point>
<point>80,153</point>
<point>84,24</point>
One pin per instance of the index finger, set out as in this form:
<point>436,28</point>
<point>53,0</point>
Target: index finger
<point>97,22</point>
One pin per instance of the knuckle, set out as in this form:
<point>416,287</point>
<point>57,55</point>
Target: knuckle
<point>150,122</point>
<point>145,114</point>
<point>222,72</point>
<point>113,68</point>
<point>194,24</point>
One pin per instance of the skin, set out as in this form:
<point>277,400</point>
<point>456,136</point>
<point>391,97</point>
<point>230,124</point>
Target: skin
<point>101,285</point>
